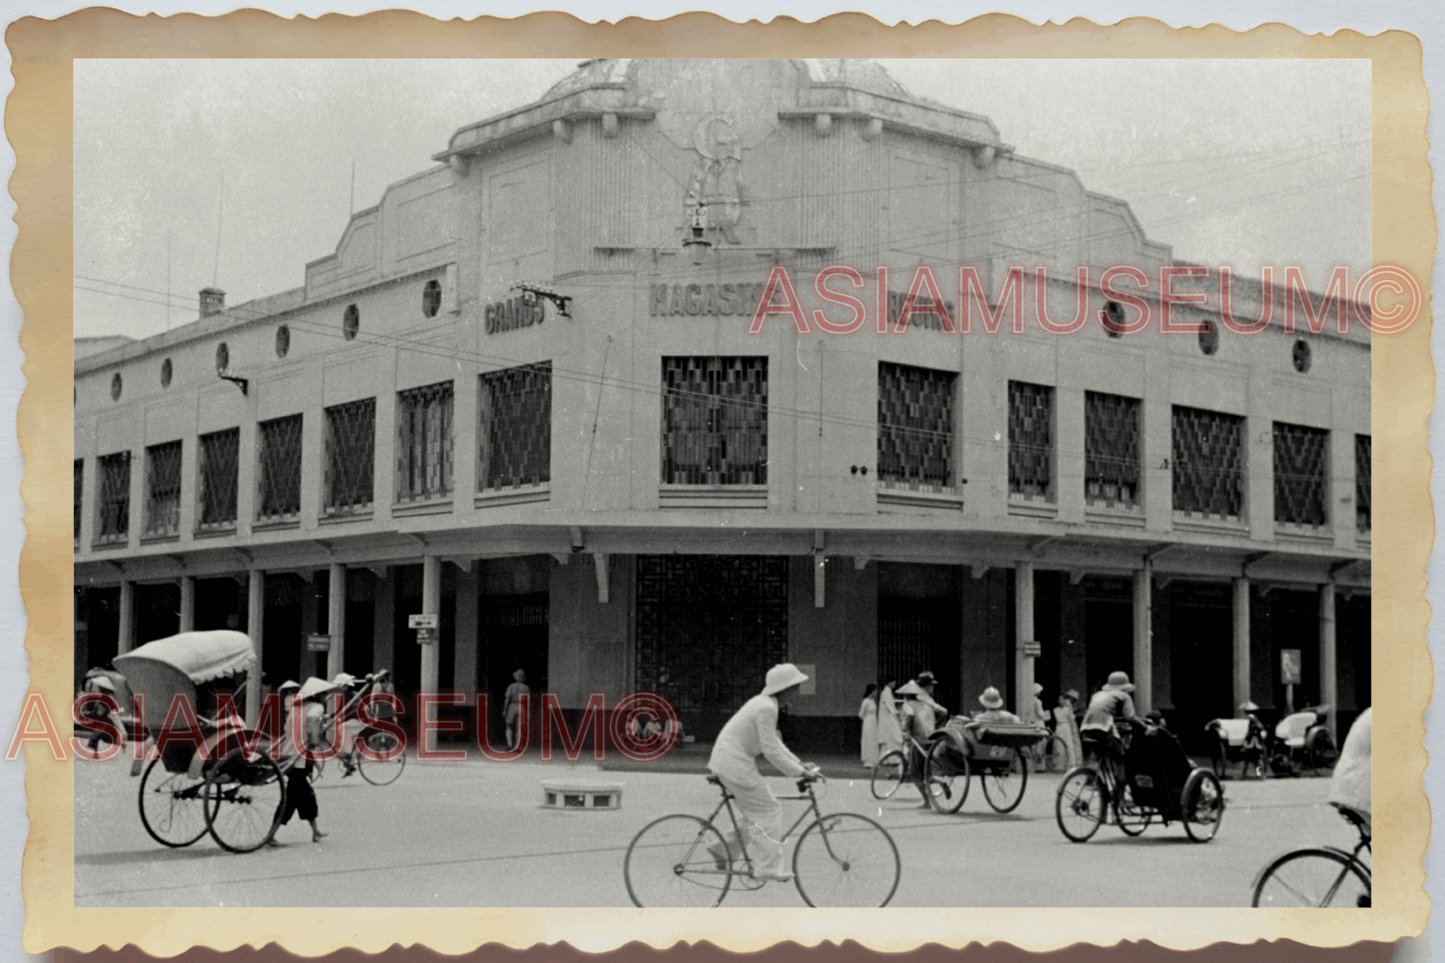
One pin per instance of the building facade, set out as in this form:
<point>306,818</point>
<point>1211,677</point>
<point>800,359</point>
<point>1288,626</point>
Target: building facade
<point>533,392</point>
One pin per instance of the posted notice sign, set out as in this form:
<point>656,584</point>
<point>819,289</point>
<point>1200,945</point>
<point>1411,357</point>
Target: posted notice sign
<point>318,643</point>
<point>422,622</point>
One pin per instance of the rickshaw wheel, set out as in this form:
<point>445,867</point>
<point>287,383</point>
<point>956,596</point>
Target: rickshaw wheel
<point>1320,750</point>
<point>947,776</point>
<point>1003,786</point>
<point>888,775</point>
<point>386,760</point>
<point>171,806</point>
<point>244,801</point>
<point>1132,820</point>
<point>1203,801</point>
<point>1079,805</point>
<point>1056,754</point>
<point>1218,759</point>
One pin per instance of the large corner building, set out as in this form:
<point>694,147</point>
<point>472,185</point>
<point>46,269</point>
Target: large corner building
<point>602,477</point>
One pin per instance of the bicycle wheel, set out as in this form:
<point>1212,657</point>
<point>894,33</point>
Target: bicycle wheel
<point>1079,805</point>
<point>846,860</point>
<point>888,774</point>
<point>171,807</point>
<point>391,758</point>
<point>1056,754</point>
<point>1313,877</point>
<point>244,800</point>
<point>1203,801</point>
<point>668,864</point>
<point>1130,819</point>
<point>946,774</point>
<point>1004,784</point>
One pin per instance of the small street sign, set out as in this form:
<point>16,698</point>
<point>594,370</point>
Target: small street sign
<point>1033,649</point>
<point>318,643</point>
<point>421,622</point>
<point>1291,666</point>
<point>426,636</point>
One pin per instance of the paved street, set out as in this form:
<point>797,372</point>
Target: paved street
<point>475,834</point>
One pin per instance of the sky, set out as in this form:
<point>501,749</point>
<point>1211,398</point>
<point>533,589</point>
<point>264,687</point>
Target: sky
<point>236,173</point>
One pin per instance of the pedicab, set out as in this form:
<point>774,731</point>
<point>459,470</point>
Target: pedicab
<point>218,777</point>
<point>1158,781</point>
<point>994,750</point>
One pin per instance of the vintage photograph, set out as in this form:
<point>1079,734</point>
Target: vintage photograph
<point>746,483</point>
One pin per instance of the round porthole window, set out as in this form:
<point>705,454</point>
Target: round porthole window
<point>115,386</point>
<point>223,358</point>
<point>1112,317</point>
<point>166,373</point>
<point>350,322</point>
<point>1301,355</point>
<point>283,341</point>
<point>1208,337</point>
<point>431,298</point>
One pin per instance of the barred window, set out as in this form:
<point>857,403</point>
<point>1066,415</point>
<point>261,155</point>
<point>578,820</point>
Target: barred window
<point>217,459</point>
<point>77,494</point>
<point>350,457</point>
<point>1208,452</point>
<point>114,504</point>
<point>163,490</point>
<point>514,427</point>
<point>424,443</point>
<point>279,485</point>
<point>1031,441</point>
<point>715,421</point>
<point>1301,466</point>
<point>1362,484</point>
<point>1111,450</point>
<point>915,427</point>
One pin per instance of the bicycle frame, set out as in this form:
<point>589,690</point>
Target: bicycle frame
<point>805,791</point>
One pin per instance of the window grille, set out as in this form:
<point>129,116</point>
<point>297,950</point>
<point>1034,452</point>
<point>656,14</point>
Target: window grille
<point>163,490</point>
<point>217,459</point>
<point>279,488</point>
<point>77,495</point>
<point>1111,450</point>
<point>424,443</point>
<point>114,498</point>
<point>915,427</point>
<point>350,457</point>
<point>715,421</point>
<point>515,427</point>
<point>1031,441</point>
<point>1301,459</point>
<point>1362,484</point>
<point>1208,452</point>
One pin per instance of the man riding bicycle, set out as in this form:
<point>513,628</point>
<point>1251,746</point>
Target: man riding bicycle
<point>1111,704</point>
<point>753,731</point>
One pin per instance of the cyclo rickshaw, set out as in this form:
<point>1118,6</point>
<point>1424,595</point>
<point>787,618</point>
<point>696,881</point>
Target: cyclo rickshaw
<point>994,750</point>
<point>1158,780</point>
<point>219,779</point>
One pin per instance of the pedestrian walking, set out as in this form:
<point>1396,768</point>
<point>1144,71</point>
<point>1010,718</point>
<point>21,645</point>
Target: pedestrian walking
<point>511,705</point>
<point>868,712</point>
<point>890,726</point>
<point>303,713</point>
<point>753,731</point>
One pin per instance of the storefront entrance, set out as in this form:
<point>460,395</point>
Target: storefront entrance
<point>708,629</point>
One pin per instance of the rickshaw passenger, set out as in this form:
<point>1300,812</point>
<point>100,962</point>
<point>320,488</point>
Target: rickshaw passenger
<point>303,722</point>
<point>1099,731</point>
<point>993,708</point>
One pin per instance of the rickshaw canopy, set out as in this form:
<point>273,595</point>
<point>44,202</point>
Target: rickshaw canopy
<point>179,663</point>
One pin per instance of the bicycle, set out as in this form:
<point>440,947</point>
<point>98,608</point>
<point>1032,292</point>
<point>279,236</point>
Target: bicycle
<point>842,859</point>
<point>386,758</point>
<point>1088,797</point>
<point>1055,752</point>
<point>894,769</point>
<point>1319,876</point>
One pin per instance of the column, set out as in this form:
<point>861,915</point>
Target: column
<point>1241,641</point>
<point>255,627</point>
<point>1023,633</point>
<point>336,619</point>
<point>125,640</point>
<point>188,603</point>
<point>464,676</point>
<point>1144,638</point>
<point>431,604</point>
<point>383,621</point>
<point>1329,669</point>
